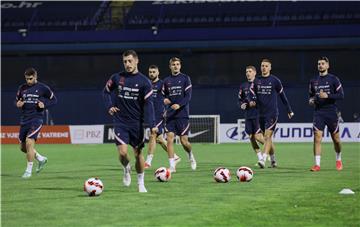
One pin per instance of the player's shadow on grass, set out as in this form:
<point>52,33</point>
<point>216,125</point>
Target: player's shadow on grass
<point>8,175</point>
<point>58,189</point>
<point>59,177</point>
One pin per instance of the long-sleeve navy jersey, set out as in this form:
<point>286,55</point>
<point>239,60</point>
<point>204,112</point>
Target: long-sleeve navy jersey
<point>133,96</point>
<point>178,89</point>
<point>246,95</point>
<point>158,100</point>
<point>267,89</point>
<point>31,95</point>
<point>329,84</point>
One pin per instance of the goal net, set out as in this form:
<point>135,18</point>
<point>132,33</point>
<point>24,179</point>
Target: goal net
<point>203,129</point>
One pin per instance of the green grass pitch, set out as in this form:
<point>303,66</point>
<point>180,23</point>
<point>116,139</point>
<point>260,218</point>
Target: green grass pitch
<point>290,195</point>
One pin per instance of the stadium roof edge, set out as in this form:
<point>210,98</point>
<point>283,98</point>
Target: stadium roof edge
<point>115,47</point>
<point>188,34</point>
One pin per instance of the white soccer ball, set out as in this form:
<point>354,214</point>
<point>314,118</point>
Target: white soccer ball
<point>93,186</point>
<point>162,174</point>
<point>244,174</point>
<point>222,175</point>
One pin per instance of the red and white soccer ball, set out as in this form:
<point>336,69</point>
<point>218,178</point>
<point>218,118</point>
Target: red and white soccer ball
<point>244,174</point>
<point>222,175</point>
<point>93,186</point>
<point>162,174</point>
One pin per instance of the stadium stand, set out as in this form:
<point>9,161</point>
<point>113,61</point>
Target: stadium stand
<point>89,15</point>
<point>76,46</point>
<point>51,15</point>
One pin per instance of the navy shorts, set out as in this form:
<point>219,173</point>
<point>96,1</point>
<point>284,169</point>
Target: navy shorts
<point>160,125</point>
<point>179,126</point>
<point>29,130</point>
<point>268,123</point>
<point>127,134</point>
<point>330,119</point>
<point>252,126</point>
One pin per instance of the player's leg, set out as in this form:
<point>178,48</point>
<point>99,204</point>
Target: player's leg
<point>182,130</point>
<point>151,149</point>
<point>30,156</point>
<point>318,128</point>
<point>139,166</point>
<point>332,122</point>
<point>317,149</point>
<point>22,138</point>
<point>261,163</point>
<point>125,162</point>
<point>122,141</point>
<point>23,147</point>
<point>42,160</point>
<point>160,140</point>
<point>267,146</point>
<point>269,124</point>
<point>170,150</point>
<point>260,138</point>
<point>253,140</point>
<point>28,135</point>
<point>252,128</point>
<point>137,140</point>
<point>272,156</point>
<point>170,129</point>
<point>337,146</point>
<point>187,147</point>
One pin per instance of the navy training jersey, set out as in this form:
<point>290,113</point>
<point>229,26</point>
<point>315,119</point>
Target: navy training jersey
<point>178,89</point>
<point>267,90</point>
<point>246,94</point>
<point>133,96</point>
<point>331,85</point>
<point>31,95</point>
<point>158,100</point>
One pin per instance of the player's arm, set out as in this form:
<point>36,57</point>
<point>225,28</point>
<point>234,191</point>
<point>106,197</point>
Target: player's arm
<point>338,91</point>
<point>109,87</point>
<point>19,102</point>
<point>280,90</point>
<point>49,99</point>
<point>165,93</point>
<point>241,99</point>
<point>252,95</point>
<point>149,112</point>
<point>312,95</point>
<point>187,95</point>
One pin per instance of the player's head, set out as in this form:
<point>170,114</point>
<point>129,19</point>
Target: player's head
<point>175,65</point>
<point>250,72</point>
<point>30,76</point>
<point>130,61</point>
<point>153,72</point>
<point>265,67</point>
<point>323,65</point>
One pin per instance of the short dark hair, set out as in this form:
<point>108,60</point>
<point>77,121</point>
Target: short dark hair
<point>174,59</point>
<point>153,67</point>
<point>266,60</point>
<point>323,58</point>
<point>30,72</point>
<point>130,52</point>
<point>251,67</point>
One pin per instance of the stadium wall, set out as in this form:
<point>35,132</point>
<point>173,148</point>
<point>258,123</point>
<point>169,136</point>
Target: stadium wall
<point>229,133</point>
